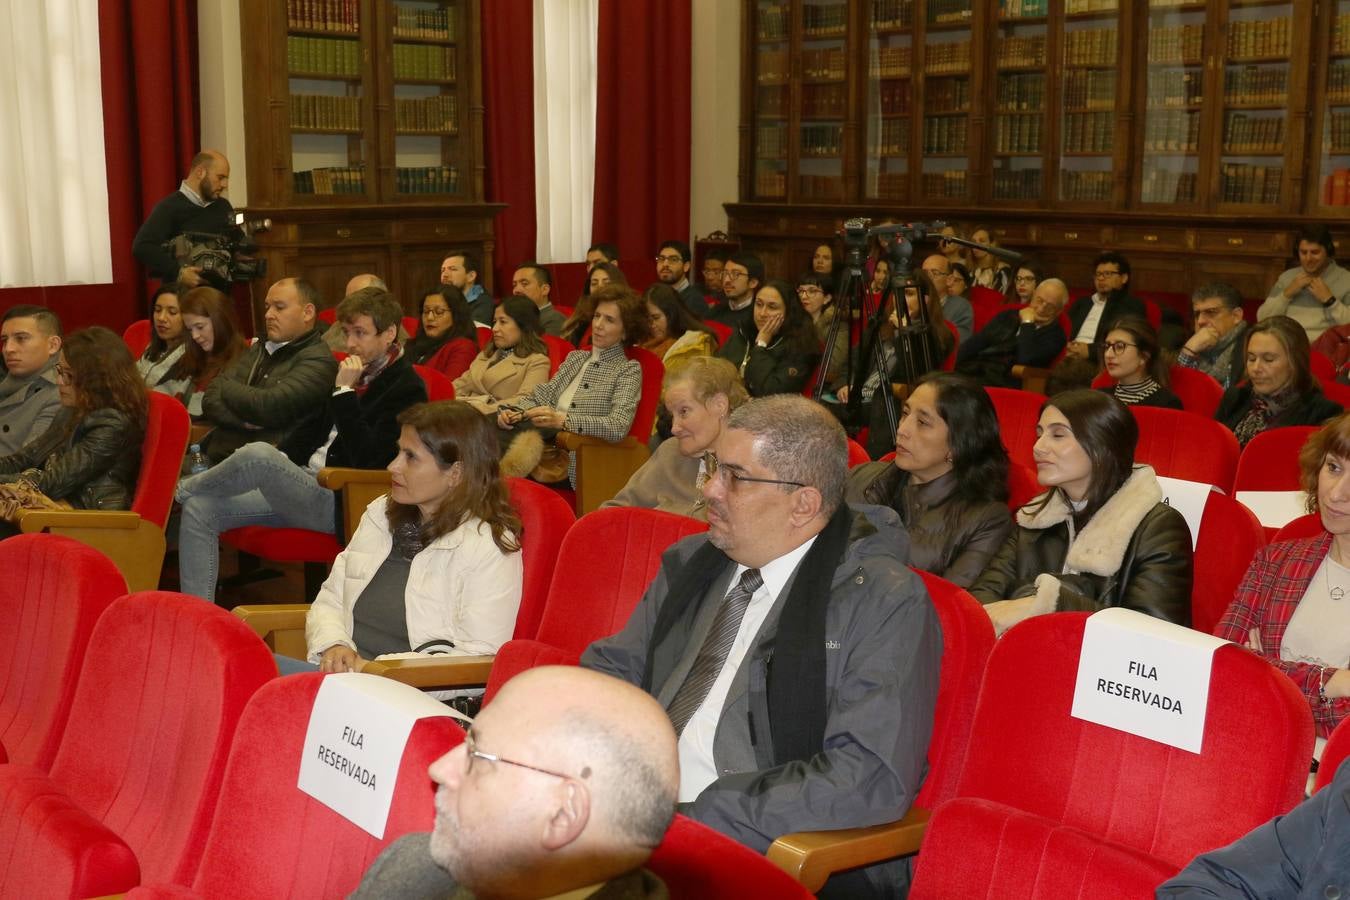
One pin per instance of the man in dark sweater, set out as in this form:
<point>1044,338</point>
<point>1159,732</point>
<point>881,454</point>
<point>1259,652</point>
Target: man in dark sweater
<point>277,387</point>
<point>197,206</point>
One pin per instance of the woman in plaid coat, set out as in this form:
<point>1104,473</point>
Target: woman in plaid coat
<point>1293,606</point>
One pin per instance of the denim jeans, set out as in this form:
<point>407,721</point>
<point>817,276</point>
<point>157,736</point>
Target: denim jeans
<point>255,485</point>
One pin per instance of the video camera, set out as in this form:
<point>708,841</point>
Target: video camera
<point>223,258</point>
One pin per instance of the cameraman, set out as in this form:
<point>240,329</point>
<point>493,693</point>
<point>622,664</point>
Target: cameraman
<point>197,206</point>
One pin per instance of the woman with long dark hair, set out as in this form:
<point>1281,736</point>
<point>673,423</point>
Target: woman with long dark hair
<point>675,332</point>
<point>1131,355</point>
<point>1100,535</point>
<point>447,340</point>
<point>512,364</point>
<point>434,568</point>
<point>776,349</point>
<point>213,340</point>
<point>949,479</point>
<point>158,365</point>
<point>90,455</point>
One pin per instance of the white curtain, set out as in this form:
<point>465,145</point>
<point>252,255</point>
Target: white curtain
<point>53,177</point>
<point>565,39</point>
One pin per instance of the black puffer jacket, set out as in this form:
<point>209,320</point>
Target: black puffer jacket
<point>948,537</point>
<point>1134,552</point>
<point>93,467</point>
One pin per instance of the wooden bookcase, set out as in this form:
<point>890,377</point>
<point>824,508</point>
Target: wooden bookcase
<point>1194,136</point>
<point>364,122</point>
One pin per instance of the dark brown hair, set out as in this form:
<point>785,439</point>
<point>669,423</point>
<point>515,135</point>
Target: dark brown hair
<point>226,341</point>
<point>525,315</point>
<point>455,432</point>
<point>1108,434</point>
<point>158,347</point>
<point>637,327</point>
<point>1146,342</point>
<point>104,374</point>
<point>1294,340</point>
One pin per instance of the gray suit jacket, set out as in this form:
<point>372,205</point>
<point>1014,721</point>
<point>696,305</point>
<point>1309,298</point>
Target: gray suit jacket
<point>27,411</point>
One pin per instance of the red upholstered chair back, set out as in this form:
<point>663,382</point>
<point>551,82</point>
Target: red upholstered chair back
<point>857,454</point>
<point>1028,753</point>
<point>484,336</point>
<point>696,862</point>
<point>1018,412</point>
<point>328,315</point>
<point>51,594</point>
<point>1269,462</point>
<point>1230,535</point>
<point>1302,527</point>
<point>1198,392</point>
<point>1333,754</point>
<point>166,440</point>
<point>1183,445</point>
<point>1022,485</point>
<point>137,337</point>
<point>1335,391</point>
<point>967,638</point>
<point>438,386</point>
<point>986,303</point>
<point>653,372</point>
<point>1322,366</point>
<point>949,363</point>
<point>164,681</point>
<point>722,332</point>
<point>270,839</point>
<point>411,324</point>
<point>545,518</point>
<point>557,352</point>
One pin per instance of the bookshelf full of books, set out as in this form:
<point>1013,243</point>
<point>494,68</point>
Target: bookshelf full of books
<point>948,63</point>
<point>1174,107</point>
<point>890,94</point>
<point>426,93</point>
<point>1089,90</point>
<point>824,100</point>
<point>773,87</point>
<point>1021,75</point>
<point>1332,188</point>
<point>1257,72</point>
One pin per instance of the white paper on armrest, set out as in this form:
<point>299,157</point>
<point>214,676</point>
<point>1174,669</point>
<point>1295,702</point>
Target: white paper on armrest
<point>1274,509</point>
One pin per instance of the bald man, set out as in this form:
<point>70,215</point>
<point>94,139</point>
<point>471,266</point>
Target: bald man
<point>199,205</point>
<point>566,782</point>
<point>333,336</point>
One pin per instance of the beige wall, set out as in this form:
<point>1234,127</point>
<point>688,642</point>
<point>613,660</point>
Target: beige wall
<point>220,62</point>
<point>716,113</point>
<point>714,119</point>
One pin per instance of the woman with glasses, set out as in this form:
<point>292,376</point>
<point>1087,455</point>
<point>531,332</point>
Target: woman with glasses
<point>1130,356</point>
<point>90,455</point>
<point>1028,275</point>
<point>434,568</point>
<point>949,479</point>
<point>814,294</point>
<point>777,348</point>
<point>699,393</point>
<point>1100,536</point>
<point>1279,389</point>
<point>448,338</point>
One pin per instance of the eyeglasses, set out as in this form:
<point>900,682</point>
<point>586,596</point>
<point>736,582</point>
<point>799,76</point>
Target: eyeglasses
<point>1026,279</point>
<point>472,753</point>
<point>716,469</point>
<point>808,289</point>
<point>1106,273</point>
<point>1116,347</point>
<point>936,273</point>
<point>671,258</point>
<point>730,275</point>
<point>434,312</point>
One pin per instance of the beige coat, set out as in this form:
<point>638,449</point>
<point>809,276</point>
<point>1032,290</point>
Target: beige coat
<point>485,386</point>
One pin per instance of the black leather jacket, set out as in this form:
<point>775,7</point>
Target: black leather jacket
<point>93,467</point>
<point>1150,539</point>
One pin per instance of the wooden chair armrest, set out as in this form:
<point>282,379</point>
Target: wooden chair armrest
<point>570,441</point>
<point>1032,378</point>
<point>813,856</point>
<point>434,672</point>
<point>37,519</point>
<point>268,619</point>
<point>336,479</point>
<point>198,431</point>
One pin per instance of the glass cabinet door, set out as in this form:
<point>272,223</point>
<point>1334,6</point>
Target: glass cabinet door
<point>427,100</point>
<point>947,99</point>
<point>1174,87</point>
<point>327,79</point>
<point>889,96</point>
<point>1089,83</point>
<point>1256,76</point>
<point>1019,123</point>
<point>824,100</point>
<point>1333,148</point>
<point>772,99</point>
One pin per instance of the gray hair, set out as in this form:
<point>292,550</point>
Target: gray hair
<point>798,440</point>
<point>1057,284</point>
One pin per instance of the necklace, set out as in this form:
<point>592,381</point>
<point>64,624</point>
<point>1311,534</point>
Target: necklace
<point>1338,592</point>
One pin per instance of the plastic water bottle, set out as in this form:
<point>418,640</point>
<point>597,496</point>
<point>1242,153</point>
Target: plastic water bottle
<point>197,462</point>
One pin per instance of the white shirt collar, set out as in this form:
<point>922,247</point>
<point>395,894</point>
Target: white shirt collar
<point>192,195</point>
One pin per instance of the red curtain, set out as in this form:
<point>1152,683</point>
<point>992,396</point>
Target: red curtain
<point>148,57</point>
<point>508,88</point>
<point>642,140</point>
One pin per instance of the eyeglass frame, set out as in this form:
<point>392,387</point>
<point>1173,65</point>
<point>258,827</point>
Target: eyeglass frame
<point>1112,274</point>
<point>1114,346</point>
<point>712,466</point>
<point>673,258</point>
<point>471,752</point>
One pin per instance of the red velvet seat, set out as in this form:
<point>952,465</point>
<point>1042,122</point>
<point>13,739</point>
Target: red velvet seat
<point>699,863</point>
<point>720,331</point>
<point>1230,535</point>
<point>137,337</point>
<point>134,784</point>
<point>1018,413</point>
<point>1302,527</point>
<point>1198,392</point>
<point>1050,806</point>
<point>857,454</point>
<point>438,386</point>
<point>1333,754</point>
<point>1183,445</point>
<point>53,591</point>
<point>1269,462</point>
<point>270,839</point>
<point>558,348</point>
<point>986,303</point>
<point>582,608</point>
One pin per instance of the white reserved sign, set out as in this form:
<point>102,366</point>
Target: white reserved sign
<point>1144,676</point>
<point>1274,509</point>
<point>1189,499</point>
<point>357,731</point>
